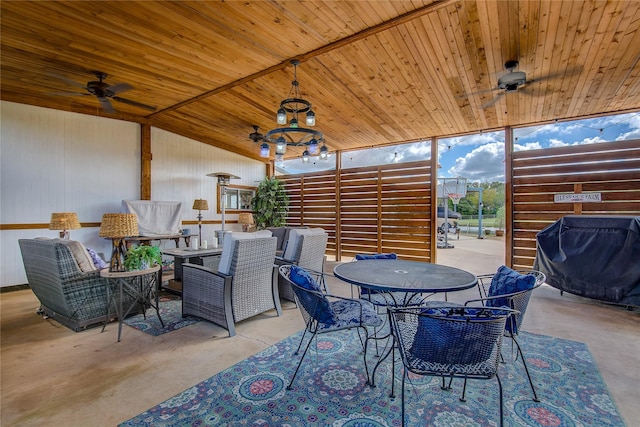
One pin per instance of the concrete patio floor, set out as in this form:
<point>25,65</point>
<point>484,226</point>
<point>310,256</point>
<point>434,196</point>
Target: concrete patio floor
<point>53,376</point>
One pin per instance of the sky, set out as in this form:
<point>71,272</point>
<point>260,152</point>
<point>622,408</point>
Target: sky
<point>480,157</point>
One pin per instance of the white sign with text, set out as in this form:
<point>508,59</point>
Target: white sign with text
<point>577,198</point>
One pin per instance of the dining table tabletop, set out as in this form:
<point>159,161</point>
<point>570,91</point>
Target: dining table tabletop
<point>395,275</point>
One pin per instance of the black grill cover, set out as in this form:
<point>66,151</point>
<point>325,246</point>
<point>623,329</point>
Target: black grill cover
<point>592,256</point>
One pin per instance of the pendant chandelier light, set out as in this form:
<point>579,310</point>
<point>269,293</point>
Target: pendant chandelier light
<point>291,110</point>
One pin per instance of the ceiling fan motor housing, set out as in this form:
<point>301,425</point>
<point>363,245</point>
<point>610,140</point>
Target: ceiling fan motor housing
<point>99,89</point>
<point>511,81</point>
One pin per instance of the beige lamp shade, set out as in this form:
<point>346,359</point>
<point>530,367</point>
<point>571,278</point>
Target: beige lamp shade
<point>245,218</point>
<point>64,221</point>
<point>200,205</point>
<point>119,225</point>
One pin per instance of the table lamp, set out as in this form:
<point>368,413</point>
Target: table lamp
<point>64,221</point>
<point>200,205</point>
<point>117,226</point>
<point>223,182</point>
<point>246,220</point>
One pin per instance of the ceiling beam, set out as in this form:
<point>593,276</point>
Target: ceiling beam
<point>367,32</point>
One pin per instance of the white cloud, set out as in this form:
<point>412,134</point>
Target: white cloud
<point>475,139</point>
<point>554,142</point>
<point>632,134</point>
<point>527,146</point>
<point>484,163</point>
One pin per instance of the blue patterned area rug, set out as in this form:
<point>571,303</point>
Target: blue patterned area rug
<point>171,313</point>
<point>330,390</point>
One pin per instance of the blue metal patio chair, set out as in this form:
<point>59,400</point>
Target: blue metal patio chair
<point>323,315</point>
<point>512,289</point>
<point>454,342</point>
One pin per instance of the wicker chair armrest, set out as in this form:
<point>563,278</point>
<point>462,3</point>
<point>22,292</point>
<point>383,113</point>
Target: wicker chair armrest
<point>281,261</point>
<point>209,270</point>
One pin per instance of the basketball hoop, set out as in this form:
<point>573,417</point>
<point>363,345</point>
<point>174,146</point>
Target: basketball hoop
<point>455,198</point>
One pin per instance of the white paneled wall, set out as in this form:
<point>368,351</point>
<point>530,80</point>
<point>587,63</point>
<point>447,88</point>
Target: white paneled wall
<point>178,173</point>
<point>54,161</point>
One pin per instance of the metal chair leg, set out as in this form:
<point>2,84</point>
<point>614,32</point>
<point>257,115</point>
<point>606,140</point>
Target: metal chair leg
<point>289,387</point>
<point>501,403</point>
<point>526,369</point>
<point>404,376</point>
<point>464,390</point>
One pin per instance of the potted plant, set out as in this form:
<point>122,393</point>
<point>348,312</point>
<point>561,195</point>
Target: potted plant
<point>142,257</point>
<point>270,204</point>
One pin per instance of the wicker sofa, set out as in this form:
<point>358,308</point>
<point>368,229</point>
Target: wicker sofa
<point>75,298</point>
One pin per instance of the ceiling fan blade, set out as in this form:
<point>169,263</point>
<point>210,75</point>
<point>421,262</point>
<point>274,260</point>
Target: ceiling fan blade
<point>119,87</point>
<point>68,94</point>
<point>493,101</point>
<point>134,103</point>
<point>567,73</point>
<point>106,105</point>
<point>67,80</point>
<point>480,92</point>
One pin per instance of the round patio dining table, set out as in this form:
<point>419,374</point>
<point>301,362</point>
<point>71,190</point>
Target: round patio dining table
<point>394,275</point>
<point>412,277</point>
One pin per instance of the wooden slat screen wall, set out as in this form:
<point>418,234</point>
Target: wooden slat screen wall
<point>612,169</point>
<point>371,209</point>
<point>313,202</point>
<point>387,209</point>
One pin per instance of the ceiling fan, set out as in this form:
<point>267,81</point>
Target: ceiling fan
<point>509,82</point>
<point>104,92</point>
<point>256,136</point>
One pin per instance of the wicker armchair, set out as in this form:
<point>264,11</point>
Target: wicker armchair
<point>68,295</point>
<point>245,290</point>
<point>305,248</point>
<point>454,342</point>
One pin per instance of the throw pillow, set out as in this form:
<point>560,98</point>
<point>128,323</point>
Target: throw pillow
<point>302,278</point>
<point>318,306</point>
<point>508,281</point>
<point>445,337</point>
<point>98,262</point>
<point>80,254</point>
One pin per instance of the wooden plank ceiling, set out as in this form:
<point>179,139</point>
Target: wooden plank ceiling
<point>377,72</point>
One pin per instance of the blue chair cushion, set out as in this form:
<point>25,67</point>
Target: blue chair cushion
<point>318,306</point>
<point>360,257</point>
<point>508,281</point>
<point>301,277</point>
<point>439,341</point>
<point>348,314</point>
